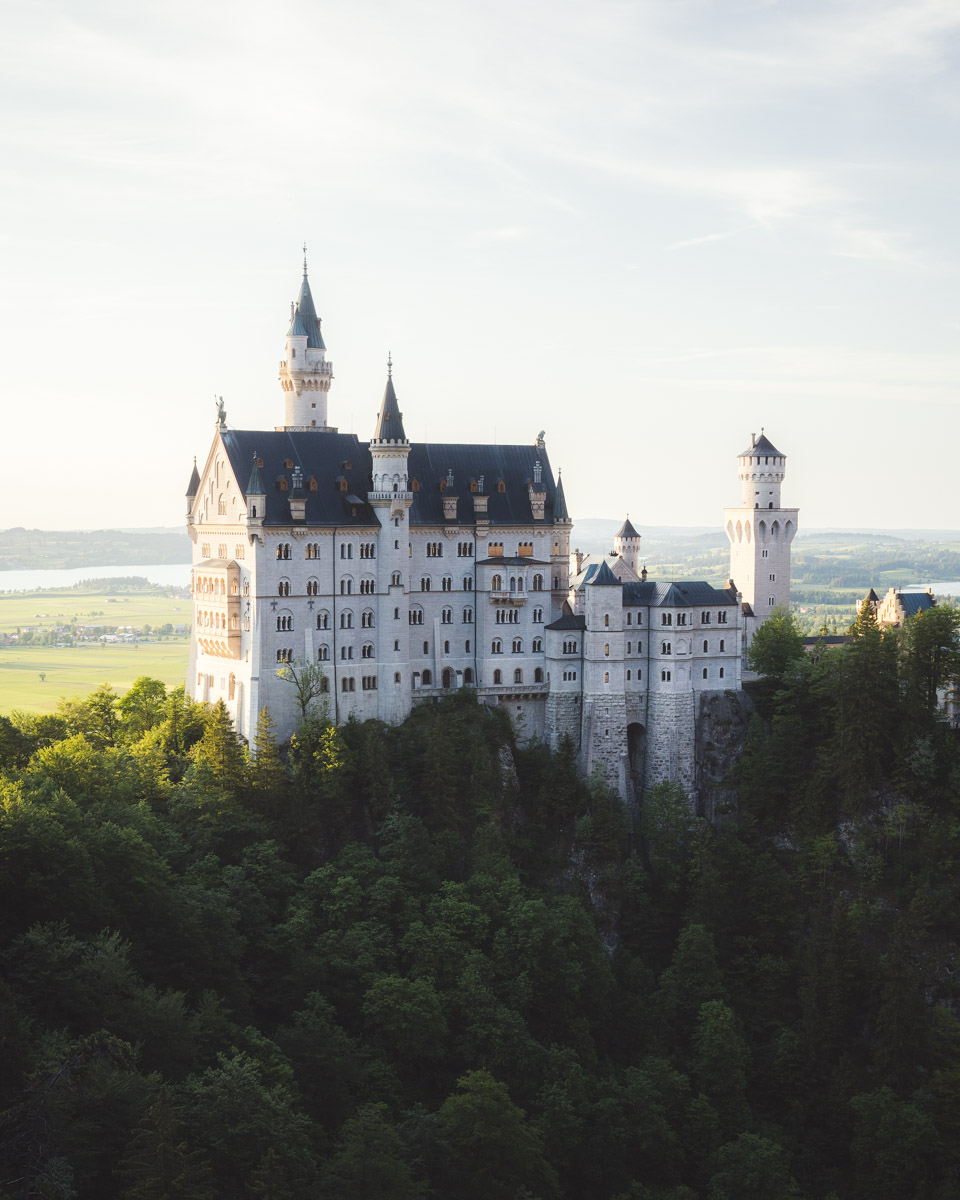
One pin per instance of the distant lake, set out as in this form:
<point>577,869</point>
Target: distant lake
<point>166,574</point>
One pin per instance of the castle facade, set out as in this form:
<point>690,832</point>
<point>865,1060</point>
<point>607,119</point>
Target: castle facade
<point>409,569</point>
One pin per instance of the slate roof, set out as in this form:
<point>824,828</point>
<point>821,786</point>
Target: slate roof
<point>390,421</point>
<point>560,507</point>
<point>603,577</point>
<point>627,530</point>
<point>323,456</point>
<point>306,314</point>
<point>763,445</point>
<point>255,486</point>
<point>570,621</point>
<point>194,485</point>
<point>914,602</point>
<point>684,594</point>
<point>873,597</point>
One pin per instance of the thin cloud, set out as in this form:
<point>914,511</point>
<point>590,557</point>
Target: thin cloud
<point>700,241</point>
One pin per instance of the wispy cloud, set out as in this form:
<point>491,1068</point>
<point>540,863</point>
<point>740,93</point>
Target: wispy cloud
<point>704,238</point>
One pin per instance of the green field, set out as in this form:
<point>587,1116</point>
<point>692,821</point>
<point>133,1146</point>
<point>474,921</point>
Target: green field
<point>76,670</point>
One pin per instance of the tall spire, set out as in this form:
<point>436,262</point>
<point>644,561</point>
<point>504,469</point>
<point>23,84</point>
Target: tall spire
<point>307,314</point>
<point>390,420</point>
<point>560,504</point>
<point>305,373</point>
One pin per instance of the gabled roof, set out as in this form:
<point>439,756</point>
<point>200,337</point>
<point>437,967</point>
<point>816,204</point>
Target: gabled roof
<point>569,621</point>
<point>194,485</point>
<point>603,577</point>
<point>306,313</point>
<point>675,594</point>
<point>762,445</point>
<point>325,457</point>
<point>390,421</point>
<point>626,530</point>
<point>872,597</point>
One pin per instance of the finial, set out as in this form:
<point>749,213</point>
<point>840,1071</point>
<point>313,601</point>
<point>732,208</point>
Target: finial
<point>304,260</point>
<point>389,365</point>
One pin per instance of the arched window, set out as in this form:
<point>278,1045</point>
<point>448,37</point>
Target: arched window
<point>497,677</point>
<point>538,645</point>
<point>447,677</point>
<point>538,583</point>
<point>606,650</point>
<point>396,580</point>
<point>425,583</point>
<point>346,587</point>
<point>467,616</point>
<point>496,583</point>
<point>426,678</point>
<point>538,616</point>
<point>366,619</point>
<point>467,583</point>
<point>518,676</point>
<point>346,620</point>
<point>468,675</point>
<point>446,617</point>
<point>283,587</point>
<point>323,653</point>
<point>606,677</point>
<point>496,646</point>
<point>366,651</point>
<point>517,645</point>
<point>323,620</point>
<point>313,587</point>
<point>447,583</point>
<point>538,675</point>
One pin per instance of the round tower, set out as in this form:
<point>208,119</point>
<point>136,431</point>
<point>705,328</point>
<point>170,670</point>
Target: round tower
<point>626,545</point>
<point>762,468</point>
<point>305,373</point>
<point>760,532</point>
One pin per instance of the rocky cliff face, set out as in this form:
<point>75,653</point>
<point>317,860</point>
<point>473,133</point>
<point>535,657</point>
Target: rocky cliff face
<point>721,734</point>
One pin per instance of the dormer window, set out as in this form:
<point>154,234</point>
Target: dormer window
<point>343,484</point>
<point>443,485</point>
<point>313,483</point>
<point>473,485</point>
<point>501,487</point>
<point>415,485</point>
<point>289,464</point>
<point>283,483</point>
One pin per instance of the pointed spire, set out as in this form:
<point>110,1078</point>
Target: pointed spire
<point>560,504</point>
<point>305,320</point>
<point>627,530</point>
<point>255,486</point>
<point>604,577</point>
<point>194,485</point>
<point>390,421</point>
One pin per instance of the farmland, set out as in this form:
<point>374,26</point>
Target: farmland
<point>36,676</point>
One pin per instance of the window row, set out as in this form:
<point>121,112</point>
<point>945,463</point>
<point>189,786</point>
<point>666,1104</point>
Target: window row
<point>516,583</point>
<point>496,646</point>
<point>518,676</point>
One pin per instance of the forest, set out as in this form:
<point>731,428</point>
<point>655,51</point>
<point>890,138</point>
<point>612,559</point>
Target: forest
<point>425,962</point>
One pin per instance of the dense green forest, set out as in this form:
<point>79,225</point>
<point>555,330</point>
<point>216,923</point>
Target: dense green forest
<point>422,961</point>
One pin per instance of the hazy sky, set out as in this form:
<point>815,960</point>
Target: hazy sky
<point>648,228</point>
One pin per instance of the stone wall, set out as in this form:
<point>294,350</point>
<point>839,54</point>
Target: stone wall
<point>722,725</point>
<point>671,740</point>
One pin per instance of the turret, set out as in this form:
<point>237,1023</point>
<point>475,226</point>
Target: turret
<point>256,495</point>
<point>305,374</point>
<point>626,544</point>
<point>762,468</point>
<point>192,488</point>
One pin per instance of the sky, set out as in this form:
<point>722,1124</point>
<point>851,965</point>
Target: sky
<point>648,228</point>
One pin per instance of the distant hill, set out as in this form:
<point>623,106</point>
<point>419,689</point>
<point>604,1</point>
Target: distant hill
<point>33,549</point>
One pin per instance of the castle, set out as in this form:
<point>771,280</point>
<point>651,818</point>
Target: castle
<point>408,569</point>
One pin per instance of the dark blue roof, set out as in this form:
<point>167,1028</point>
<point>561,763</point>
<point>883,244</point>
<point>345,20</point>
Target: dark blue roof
<point>673,594</point>
<point>602,576</point>
<point>914,602</point>
<point>627,530</point>
<point>569,621</point>
<point>560,507</point>
<point>306,314</point>
<point>194,485</point>
<point>323,457</point>
<point>390,421</point>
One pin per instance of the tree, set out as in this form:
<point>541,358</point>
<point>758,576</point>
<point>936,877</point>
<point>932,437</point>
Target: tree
<point>95,717</point>
<point>158,1164</point>
<point>142,707</point>
<point>267,774</point>
<point>752,1168</point>
<point>308,679</point>
<point>931,655</point>
<point>369,1163</point>
<point>776,644</point>
<point>220,751</point>
<point>495,1152</point>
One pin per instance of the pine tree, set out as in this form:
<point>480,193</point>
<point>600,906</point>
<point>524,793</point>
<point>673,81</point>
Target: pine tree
<point>220,751</point>
<point>268,777</point>
<point>158,1164</point>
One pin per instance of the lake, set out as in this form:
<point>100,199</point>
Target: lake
<point>167,574</point>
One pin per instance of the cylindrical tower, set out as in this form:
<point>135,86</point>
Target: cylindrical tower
<point>305,374</point>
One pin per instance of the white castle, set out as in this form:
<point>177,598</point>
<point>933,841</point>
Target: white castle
<point>409,569</point>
